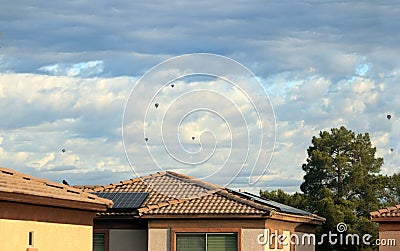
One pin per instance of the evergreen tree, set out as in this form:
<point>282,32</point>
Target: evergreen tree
<point>342,183</point>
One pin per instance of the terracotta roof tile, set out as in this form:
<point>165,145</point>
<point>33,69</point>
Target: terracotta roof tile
<point>172,194</point>
<point>388,212</point>
<point>161,187</point>
<point>213,204</point>
<point>15,182</point>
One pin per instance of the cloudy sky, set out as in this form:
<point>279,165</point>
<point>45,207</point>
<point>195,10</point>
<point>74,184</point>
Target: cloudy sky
<point>67,70</point>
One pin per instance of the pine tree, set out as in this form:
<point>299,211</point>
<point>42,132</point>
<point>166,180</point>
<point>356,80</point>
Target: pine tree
<point>342,182</point>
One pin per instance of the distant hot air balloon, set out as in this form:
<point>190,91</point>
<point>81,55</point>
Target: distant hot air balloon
<point>146,139</point>
<point>156,105</point>
<point>193,138</point>
<point>172,85</point>
<point>388,116</point>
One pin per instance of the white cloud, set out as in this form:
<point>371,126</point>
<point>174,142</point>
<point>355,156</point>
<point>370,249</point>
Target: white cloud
<point>40,163</point>
<point>82,69</point>
<point>84,117</point>
<point>47,114</point>
<point>321,68</point>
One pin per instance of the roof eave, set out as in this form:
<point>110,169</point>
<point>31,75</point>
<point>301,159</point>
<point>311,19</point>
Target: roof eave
<point>386,219</point>
<point>49,201</point>
<point>203,216</point>
<point>310,219</point>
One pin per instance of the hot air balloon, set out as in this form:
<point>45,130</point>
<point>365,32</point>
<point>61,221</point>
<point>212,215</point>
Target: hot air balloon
<point>193,138</point>
<point>388,116</point>
<point>146,139</point>
<point>63,150</point>
<point>156,105</point>
<point>172,85</point>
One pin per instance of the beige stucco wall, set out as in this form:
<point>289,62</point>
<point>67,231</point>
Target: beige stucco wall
<point>258,239</point>
<point>389,236</point>
<point>159,239</point>
<point>304,242</point>
<point>14,236</point>
<point>128,239</point>
<point>249,240</point>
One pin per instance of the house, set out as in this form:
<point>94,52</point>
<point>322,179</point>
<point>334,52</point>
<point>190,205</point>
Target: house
<point>389,227</point>
<point>40,215</point>
<point>174,212</point>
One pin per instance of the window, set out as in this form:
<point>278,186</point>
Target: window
<point>99,242</point>
<point>206,242</point>
<point>30,239</point>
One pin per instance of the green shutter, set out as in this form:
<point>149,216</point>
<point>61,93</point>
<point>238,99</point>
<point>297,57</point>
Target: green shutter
<point>190,242</point>
<point>98,242</point>
<point>222,242</point>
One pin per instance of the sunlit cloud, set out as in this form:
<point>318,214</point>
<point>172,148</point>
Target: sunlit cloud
<point>65,79</point>
<point>82,69</point>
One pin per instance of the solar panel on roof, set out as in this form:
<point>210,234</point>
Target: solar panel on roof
<point>105,195</point>
<point>282,207</point>
<point>129,200</point>
<point>124,200</point>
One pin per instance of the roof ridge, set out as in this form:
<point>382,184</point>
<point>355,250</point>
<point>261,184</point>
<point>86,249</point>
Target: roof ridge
<point>195,181</point>
<point>96,188</point>
<point>225,192</point>
<point>385,212</point>
<point>199,182</point>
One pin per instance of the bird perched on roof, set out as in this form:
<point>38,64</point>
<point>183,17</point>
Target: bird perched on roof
<point>65,182</point>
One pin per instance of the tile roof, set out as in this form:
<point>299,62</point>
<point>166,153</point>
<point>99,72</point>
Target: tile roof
<point>386,213</point>
<point>212,204</point>
<point>18,183</point>
<point>176,194</point>
<point>132,185</point>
